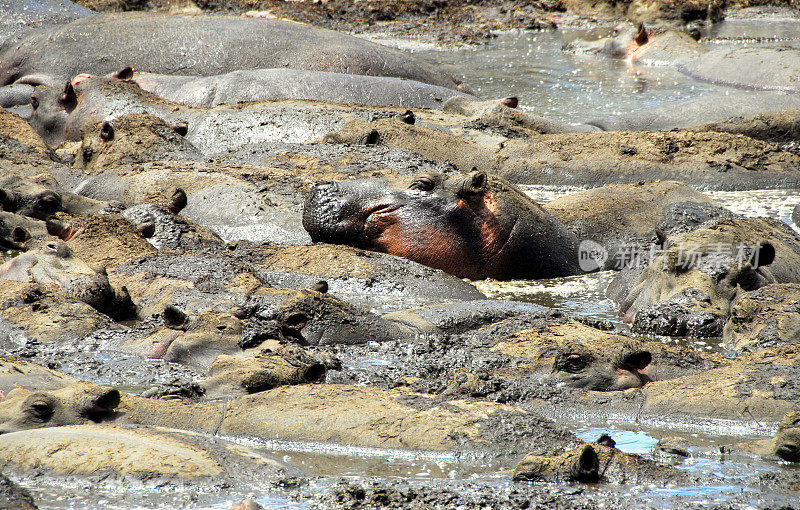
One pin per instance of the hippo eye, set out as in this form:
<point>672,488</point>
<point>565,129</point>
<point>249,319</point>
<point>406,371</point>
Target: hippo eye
<point>34,102</point>
<point>423,183</point>
<point>571,363</point>
<point>40,410</point>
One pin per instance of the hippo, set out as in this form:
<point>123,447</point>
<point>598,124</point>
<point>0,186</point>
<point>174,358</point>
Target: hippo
<point>29,198</point>
<point>202,46</point>
<point>472,226</point>
<point>772,68</point>
<point>69,112</point>
<point>23,409</point>
<point>688,287</point>
<point>596,462</point>
<point>716,160</point>
<point>55,264</point>
<point>275,84</point>
<point>18,17</point>
<point>765,317</point>
<point>148,455</point>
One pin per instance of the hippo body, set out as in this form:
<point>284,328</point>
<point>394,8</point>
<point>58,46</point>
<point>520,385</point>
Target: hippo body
<point>472,226</point>
<point>704,109</point>
<point>202,46</point>
<point>625,219</point>
<point>18,17</point>
<point>275,84</point>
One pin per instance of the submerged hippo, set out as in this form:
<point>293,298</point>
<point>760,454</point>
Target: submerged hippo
<point>472,226</point>
<point>202,46</point>
<point>776,68</point>
<point>275,84</point>
<point>55,264</point>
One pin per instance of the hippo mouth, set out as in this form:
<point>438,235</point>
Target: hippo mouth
<point>379,209</point>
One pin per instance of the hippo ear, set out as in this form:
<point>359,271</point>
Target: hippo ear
<point>20,235</point>
<point>124,74</point>
<point>68,99</point>
<point>106,132</point>
<point>587,466</point>
<point>102,406</point>
<point>182,128</point>
<point>642,37</point>
<point>763,255</point>
<point>321,286</point>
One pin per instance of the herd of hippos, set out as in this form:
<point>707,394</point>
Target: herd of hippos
<point>235,199</point>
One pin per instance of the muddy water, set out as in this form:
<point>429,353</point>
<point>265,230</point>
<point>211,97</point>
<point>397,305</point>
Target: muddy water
<point>564,86</point>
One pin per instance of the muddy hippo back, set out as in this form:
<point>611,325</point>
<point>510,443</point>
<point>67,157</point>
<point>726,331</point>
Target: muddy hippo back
<point>203,46</point>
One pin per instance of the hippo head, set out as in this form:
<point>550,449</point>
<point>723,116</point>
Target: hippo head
<point>472,226</point>
<point>55,265</point>
<point>132,138</point>
<point>312,317</point>
<point>616,367</point>
<point>787,439</point>
<point>687,288</point>
<point>51,107</point>
<point>623,41</point>
<point>28,198</point>
<point>682,295</point>
<point>77,403</point>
